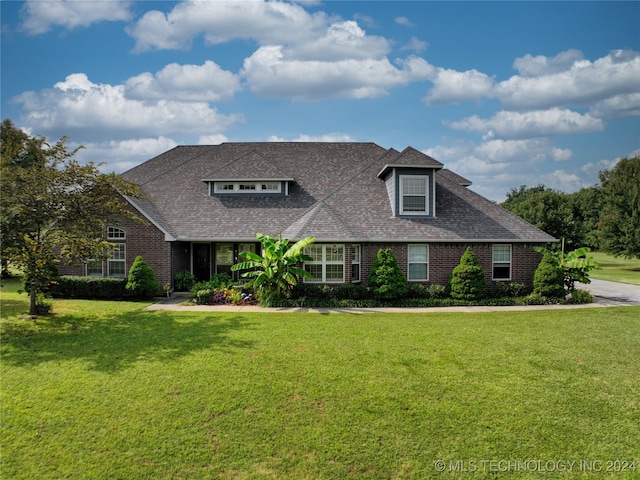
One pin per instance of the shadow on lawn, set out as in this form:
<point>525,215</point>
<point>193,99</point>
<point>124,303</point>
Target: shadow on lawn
<point>110,345</point>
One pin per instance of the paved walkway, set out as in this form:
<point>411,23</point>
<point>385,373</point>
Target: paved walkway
<point>607,294</point>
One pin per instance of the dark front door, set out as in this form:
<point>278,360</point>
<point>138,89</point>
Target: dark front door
<point>202,261</point>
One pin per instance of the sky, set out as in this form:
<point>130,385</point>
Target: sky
<point>503,93</point>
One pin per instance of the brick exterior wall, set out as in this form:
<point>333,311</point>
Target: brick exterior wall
<point>168,258</point>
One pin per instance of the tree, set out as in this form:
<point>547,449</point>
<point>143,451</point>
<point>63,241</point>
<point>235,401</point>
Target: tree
<point>574,266</point>
<point>467,279</point>
<point>386,280</point>
<point>549,210</point>
<point>587,205</point>
<point>275,271</point>
<point>142,280</point>
<point>620,218</point>
<point>53,207</point>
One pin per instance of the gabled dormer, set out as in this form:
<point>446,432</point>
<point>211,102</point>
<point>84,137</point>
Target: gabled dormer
<point>411,184</point>
<point>248,175</point>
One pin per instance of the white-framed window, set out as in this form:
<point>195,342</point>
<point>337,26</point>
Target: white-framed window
<point>246,187</point>
<point>418,262</point>
<point>326,264</point>
<point>501,262</point>
<point>114,233</point>
<point>414,195</point>
<point>355,263</point>
<point>93,268</point>
<point>116,263</point>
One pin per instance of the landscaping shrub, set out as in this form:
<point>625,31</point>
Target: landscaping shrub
<point>535,299</point>
<point>184,281</point>
<point>386,279</point>
<point>219,280</point>
<point>467,279</point>
<point>350,291</point>
<point>437,291</point>
<point>142,281</point>
<point>548,280</point>
<point>581,296</point>
<point>105,288</point>
<point>416,290</point>
<point>204,296</point>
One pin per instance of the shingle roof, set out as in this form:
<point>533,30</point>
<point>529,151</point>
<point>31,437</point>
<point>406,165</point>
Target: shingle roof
<point>337,196</point>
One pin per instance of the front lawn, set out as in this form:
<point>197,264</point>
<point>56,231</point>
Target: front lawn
<point>104,390</point>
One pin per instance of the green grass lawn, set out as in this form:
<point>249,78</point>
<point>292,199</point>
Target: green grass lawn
<point>617,269</point>
<point>104,390</point>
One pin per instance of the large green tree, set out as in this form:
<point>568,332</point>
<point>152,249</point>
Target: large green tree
<point>52,206</point>
<point>620,217</point>
<point>547,209</point>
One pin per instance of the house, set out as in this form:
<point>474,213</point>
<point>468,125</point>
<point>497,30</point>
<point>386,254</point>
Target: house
<point>203,205</point>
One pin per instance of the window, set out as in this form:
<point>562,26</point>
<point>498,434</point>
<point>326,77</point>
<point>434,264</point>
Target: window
<point>116,263</point>
<point>502,262</point>
<point>224,258</point>
<point>418,267</point>
<point>94,268</point>
<point>327,264</point>
<point>114,233</point>
<point>246,187</point>
<point>355,263</point>
<point>414,195</point>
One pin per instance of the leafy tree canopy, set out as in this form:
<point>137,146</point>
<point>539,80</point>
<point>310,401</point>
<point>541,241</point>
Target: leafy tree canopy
<point>53,206</point>
<point>620,218</point>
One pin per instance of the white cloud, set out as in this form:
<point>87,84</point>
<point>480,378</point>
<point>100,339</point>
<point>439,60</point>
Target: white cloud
<point>403,21</point>
<point>539,123</point>
<point>582,83</point>
<point>205,83</point>
<point>530,66</point>
<point>269,73</point>
<point>450,86</point>
<point>627,105</point>
<point>221,21</point>
<point>415,45</point>
<point>125,154</point>
<point>533,149</point>
<point>90,112</point>
<point>40,16</point>
<point>328,137</point>
<point>212,139</point>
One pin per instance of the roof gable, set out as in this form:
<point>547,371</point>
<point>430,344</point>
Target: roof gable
<point>249,166</point>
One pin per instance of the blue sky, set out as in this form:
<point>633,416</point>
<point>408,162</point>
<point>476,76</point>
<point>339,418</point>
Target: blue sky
<point>503,93</point>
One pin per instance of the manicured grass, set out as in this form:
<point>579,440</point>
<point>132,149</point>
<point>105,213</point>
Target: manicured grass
<point>617,269</point>
<point>104,390</point>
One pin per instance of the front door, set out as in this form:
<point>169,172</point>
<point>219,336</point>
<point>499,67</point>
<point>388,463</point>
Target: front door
<point>202,261</point>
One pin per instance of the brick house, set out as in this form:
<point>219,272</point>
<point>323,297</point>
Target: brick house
<point>204,204</point>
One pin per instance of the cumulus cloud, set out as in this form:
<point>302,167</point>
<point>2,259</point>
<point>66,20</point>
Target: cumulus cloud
<point>199,83</point>
<point>94,112</point>
<point>415,45</point>
<point>39,17</point>
<point>570,81</point>
<point>221,21</point>
<point>327,137</point>
<point>124,154</point>
<point>626,105</point>
<point>539,123</point>
<point>451,86</point>
<point>269,73</point>
<point>403,21</point>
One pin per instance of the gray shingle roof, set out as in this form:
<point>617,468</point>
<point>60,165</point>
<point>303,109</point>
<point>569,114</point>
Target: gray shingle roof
<point>336,196</point>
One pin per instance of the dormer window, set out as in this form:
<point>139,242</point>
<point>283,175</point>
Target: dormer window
<point>248,187</point>
<point>414,195</point>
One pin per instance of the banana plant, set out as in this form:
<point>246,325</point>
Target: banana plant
<point>276,269</point>
<point>575,265</point>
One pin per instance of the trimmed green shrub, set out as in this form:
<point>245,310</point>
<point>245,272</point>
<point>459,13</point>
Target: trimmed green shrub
<point>184,281</point>
<point>548,280</point>
<point>416,290</point>
<point>386,279</point>
<point>219,280</point>
<point>437,291</point>
<point>467,279</point>
<point>104,288</point>
<point>535,299</point>
<point>581,296</point>
<point>142,281</point>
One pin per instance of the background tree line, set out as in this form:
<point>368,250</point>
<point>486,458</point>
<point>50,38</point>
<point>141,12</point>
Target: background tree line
<point>604,217</point>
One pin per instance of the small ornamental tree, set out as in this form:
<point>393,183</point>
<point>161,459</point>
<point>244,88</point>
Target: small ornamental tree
<point>142,281</point>
<point>467,279</point>
<point>548,280</point>
<point>386,280</point>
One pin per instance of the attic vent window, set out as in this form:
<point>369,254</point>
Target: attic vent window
<point>246,187</point>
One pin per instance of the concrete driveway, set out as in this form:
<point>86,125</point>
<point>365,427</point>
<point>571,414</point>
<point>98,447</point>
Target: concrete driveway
<point>613,293</point>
